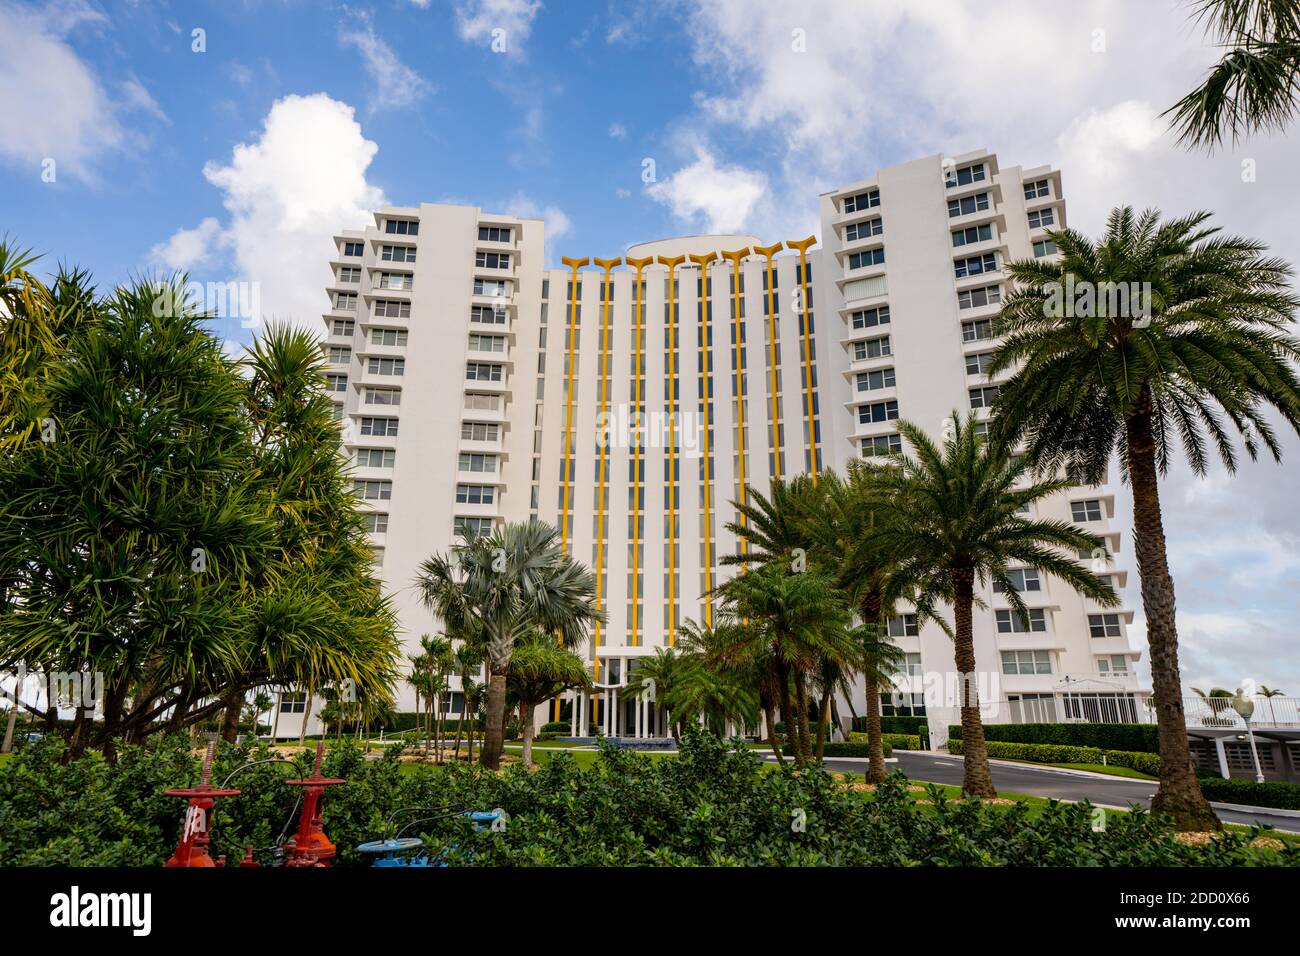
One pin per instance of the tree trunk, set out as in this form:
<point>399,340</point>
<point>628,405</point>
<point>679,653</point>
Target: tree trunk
<point>791,734</point>
<point>875,741</point>
<point>306,715</point>
<point>526,730</point>
<point>769,715</point>
<point>494,736</point>
<point>230,724</point>
<point>460,723</point>
<point>977,780</point>
<point>801,704</point>
<point>12,722</point>
<point>824,711</point>
<point>275,716</point>
<point>1178,795</point>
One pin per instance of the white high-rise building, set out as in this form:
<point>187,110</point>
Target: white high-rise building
<point>478,387</point>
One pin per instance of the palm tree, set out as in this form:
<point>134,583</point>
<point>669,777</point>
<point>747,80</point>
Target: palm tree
<point>957,523</point>
<point>469,661</point>
<point>655,678</point>
<point>505,585</point>
<point>1256,85</point>
<point>1212,343</point>
<point>709,688</point>
<point>541,669</point>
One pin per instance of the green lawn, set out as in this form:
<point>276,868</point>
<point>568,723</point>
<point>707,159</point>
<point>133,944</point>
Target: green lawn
<point>1093,767</point>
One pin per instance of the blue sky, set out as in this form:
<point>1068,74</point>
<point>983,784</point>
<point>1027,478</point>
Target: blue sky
<point>239,162</point>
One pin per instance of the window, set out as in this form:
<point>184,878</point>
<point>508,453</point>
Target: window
<point>401,227</point>
<point>870,318</point>
<point>495,288</point>
<point>871,348</point>
<point>1037,189</point>
<point>976,265</point>
<point>1041,218</point>
<point>390,309</point>
<point>911,666</point>
<point>878,412</point>
<point>983,397</point>
<point>295,703</point>
<point>866,200</point>
<point>467,525</point>
<point>881,445</point>
<point>383,396</point>
<point>387,336</point>
<point>336,411</point>
<point>354,250</point>
<point>345,301</point>
<point>1044,247</point>
<point>349,275</point>
<point>1112,664</point>
<point>492,260</point>
<point>871,381</point>
<point>397,253</point>
<point>376,458</point>
<point>381,427</point>
<point>336,383</point>
<point>475,494</point>
<point>487,343</point>
<point>399,281</point>
<point>863,230</point>
<point>494,233</point>
<point>376,522</point>
<point>1089,510</point>
<point>871,257</point>
<point>904,625</point>
<point>967,205</point>
<point>1022,579</point>
<point>487,315</point>
<point>477,401</point>
<point>1026,662</point>
<point>372,489</point>
<point>340,355</point>
<point>963,237</point>
<point>973,173</point>
<point>472,461</point>
<point>1104,625</point>
<point>482,372</point>
<point>977,331</point>
<point>978,364</point>
<point>386,366</point>
<point>343,327</point>
<point>1009,622</point>
<point>479,431</point>
<point>974,298</point>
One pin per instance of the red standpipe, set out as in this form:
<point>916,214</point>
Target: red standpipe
<point>309,846</point>
<point>196,828</point>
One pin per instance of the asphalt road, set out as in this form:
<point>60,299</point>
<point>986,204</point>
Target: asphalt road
<point>1054,783</point>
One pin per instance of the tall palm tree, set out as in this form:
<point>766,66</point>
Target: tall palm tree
<point>504,585</point>
<point>1209,352</point>
<point>656,678</point>
<point>469,661</point>
<point>541,669</point>
<point>959,522</point>
<point>1255,86</point>
<point>709,689</point>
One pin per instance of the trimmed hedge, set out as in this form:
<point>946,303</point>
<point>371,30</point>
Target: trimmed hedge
<point>894,725</point>
<point>410,720</point>
<point>556,727</point>
<point>896,741</point>
<point>1128,737</point>
<point>853,749</point>
<point>1281,796</point>
<point>1056,753</point>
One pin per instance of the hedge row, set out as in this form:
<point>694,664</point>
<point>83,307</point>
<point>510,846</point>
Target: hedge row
<point>896,741</point>
<point>411,720</point>
<point>1129,737</point>
<point>1281,796</point>
<point>853,749</point>
<point>894,725</point>
<point>1057,753</point>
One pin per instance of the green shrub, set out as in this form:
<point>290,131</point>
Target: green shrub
<point>853,748</point>
<point>895,725</point>
<point>708,806</point>
<point>1130,737</point>
<point>896,741</point>
<point>1055,753</point>
<point>561,727</point>
<point>1282,796</point>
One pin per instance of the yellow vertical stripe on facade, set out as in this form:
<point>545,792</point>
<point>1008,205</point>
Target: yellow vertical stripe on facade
<point>602,477</point>
<point>672,389</point>
<point>770,251</point>
<point>802,245</point>
<point>738,354</point>
<point>706,378</point>
<point>638,398</point>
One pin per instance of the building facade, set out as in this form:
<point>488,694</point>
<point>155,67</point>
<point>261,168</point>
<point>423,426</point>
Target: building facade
<point>630,400</point>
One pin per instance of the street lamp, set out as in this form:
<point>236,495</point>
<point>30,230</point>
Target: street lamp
<point>1245,708</point>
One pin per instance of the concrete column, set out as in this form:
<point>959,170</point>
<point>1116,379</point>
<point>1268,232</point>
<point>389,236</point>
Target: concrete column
<point>573,714</point>
<point>1223,758</point>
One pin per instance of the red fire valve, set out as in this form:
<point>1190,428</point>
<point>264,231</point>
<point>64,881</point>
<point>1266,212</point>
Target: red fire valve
<point>196,827</point>
<point>309,846</point>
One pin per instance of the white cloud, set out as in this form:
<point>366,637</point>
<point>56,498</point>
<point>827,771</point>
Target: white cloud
<point>55,105</point>
<point>617,131</point>
<point>286,195</point>
<point>477,20</point>
<point>724,196</point>
<point>557,221</point>
<point>188,248</point>
<point>396,85</point>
